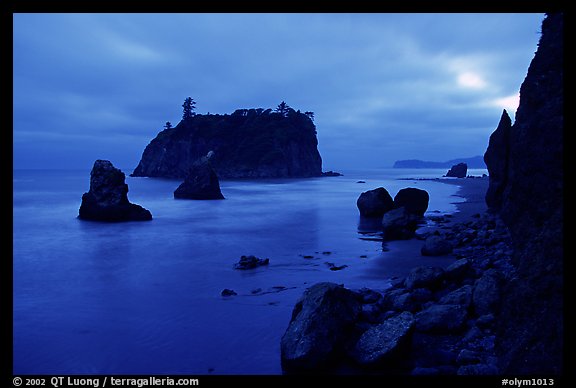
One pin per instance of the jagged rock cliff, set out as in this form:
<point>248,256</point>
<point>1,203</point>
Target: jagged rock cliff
<point>249,143</point>
<point>530,329</point>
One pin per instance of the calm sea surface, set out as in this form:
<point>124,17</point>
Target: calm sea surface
<point>144,297</point>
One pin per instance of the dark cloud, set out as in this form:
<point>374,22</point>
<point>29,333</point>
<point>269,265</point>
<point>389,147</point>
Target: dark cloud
<point>400,85</point>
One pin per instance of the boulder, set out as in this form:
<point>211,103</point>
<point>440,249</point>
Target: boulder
<point>414,200</point>
<point>200,183</point>
<point>320,324</point>
<point>458,171</point>
<point>436,246</point>
<point>374,203</point>
<point>250,262</point>
<point>488,292</point>
<point>107,199</point>
<point>459,269</point>
<point>441,318</point>
<point>398,224</point>
<point>424,277</point>
<point>382,342</point>
<point>461,296</point>
<point>402,300</point>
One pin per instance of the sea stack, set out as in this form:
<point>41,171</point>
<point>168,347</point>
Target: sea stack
<point>458,171</point>
<point>107,199</point>
<point>201,181</point>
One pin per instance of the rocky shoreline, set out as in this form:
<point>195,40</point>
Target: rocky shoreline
<point>434,321</point>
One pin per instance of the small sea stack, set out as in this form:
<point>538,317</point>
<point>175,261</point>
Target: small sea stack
<point>107,199</point>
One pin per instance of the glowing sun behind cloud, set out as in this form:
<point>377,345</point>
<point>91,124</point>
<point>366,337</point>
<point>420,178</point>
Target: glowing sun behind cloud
<point>471,80</point>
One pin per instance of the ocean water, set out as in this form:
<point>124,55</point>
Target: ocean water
<point>144,297</point>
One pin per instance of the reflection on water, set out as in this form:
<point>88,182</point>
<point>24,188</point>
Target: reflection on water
<point>144,297</point>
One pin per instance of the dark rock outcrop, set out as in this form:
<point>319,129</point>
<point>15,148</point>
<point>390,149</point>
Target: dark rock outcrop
<point>374,203</point>
<point>530,329</point>
<point>250,262</point>
<point>414,200</point>
<point>436,246</point>
<point>249,143</point>
<point>321,321</point>
<point>383,341</point>
<point>107,199</point>
<point>399,224</point>
<point>458,171</point>
<point>201,182</point>
<point>496,158</point>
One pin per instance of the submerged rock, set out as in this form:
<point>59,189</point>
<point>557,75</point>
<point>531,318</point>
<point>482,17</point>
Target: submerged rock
<point>107,199</point>
<point>399,224</point>
<point>321,322</point>
<point>228,292</point>
<point>250,262</point>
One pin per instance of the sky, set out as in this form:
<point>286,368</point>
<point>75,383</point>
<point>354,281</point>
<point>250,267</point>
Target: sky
<point>382,86</point>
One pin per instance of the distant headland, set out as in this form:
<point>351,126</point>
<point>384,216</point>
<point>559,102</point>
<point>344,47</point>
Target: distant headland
<point>473,162</point>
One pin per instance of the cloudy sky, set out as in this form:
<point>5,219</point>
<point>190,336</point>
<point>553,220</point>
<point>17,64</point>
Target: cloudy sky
<point>382,86</point>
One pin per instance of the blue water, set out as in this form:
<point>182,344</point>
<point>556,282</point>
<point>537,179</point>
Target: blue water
<point>144,297</point>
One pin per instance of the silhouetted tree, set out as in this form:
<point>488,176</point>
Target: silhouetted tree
<point>189,106</point>
<point>310,115</point>
<point>282,108</point>
<point>168,125</point>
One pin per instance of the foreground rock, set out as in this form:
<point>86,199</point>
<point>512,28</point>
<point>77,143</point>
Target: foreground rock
<point>458,171</point>
<point>321,322</point>
<point>399,224</point>
<point>383,341</point>
<point>414,200</point>
<point>436,246</point>
<point>201,182</point>
<point>435,321</point>
<point>374,203</point>
<point>250,262</point>
<point>107,199</point>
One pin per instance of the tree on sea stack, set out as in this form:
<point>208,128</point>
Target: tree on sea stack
<point>189,106</point>
<point>282,108</point>
<point>168,125</point>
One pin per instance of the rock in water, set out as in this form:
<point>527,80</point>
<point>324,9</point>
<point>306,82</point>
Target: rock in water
<point>201,182</point>
<point>250,262</point>
<point>399,224</point>
<point>374,203</point>
<point>458,171</point>
<point>107,199</point>
<point>414,200</point>
<point>320,323</point>
<point>249,143</point>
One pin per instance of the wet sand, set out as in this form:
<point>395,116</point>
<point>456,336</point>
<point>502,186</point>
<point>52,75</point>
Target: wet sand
<point>405,255</point>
